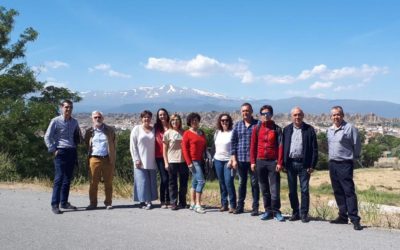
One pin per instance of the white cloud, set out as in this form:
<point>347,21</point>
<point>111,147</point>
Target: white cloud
<point>287,79</point>
<point>56,64</point>
<point>106,68</point>
<point>200,66</point>
<point>51,81</point>
<point>39,69</point>
<point>321,85</point>
<point>306,74</point>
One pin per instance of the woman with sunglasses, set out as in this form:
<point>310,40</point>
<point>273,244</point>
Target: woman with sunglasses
<point>175,163</point>
<point>222,162</point>
<point>162,125</point>
<point>142,147</point>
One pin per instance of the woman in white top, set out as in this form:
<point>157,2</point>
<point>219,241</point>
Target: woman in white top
<point>175,163</point>
<point>142,147</point>
<point>223,164</point>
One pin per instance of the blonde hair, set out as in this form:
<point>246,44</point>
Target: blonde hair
<point>173,117</point>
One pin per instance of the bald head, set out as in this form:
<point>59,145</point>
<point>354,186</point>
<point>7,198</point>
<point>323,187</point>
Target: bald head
<point>297,116</point>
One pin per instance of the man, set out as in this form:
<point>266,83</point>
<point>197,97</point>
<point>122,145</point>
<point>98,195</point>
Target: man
<point>240,155</point>
<point>266,151</point>
<point>61,138</point>
<point>300,156</point>
<point>100,143</point>
<point>344,147</point>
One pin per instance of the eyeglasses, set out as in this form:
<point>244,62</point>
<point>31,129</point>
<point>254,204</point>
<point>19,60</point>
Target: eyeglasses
<point>96,117</point>
<point>267,114</point>
<point>67,107</point>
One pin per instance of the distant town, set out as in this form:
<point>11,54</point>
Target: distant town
<point>370,123</point>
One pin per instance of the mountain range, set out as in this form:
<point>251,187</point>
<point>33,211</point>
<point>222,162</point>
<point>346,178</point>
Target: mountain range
<point>182,99</point>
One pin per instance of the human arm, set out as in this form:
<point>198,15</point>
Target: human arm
<point>134,147</point>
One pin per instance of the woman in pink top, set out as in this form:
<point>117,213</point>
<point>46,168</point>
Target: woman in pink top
<point>162,125</point>
<point>194,147</point>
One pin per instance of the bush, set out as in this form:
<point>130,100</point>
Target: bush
<point>8,169</point>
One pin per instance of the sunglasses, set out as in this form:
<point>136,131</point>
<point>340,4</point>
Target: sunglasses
<point>97,117</point>
<point>224,120</point>
<point>268,114</point>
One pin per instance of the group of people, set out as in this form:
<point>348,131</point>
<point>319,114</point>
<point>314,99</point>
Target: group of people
<point>259,148</point>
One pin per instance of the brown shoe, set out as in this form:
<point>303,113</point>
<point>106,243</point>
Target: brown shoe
<point>232,210</point>
<point>223,209</point>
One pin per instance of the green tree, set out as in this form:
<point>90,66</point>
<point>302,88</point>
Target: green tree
<point>26,105</point>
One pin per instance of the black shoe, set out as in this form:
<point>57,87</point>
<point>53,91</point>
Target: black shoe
<point>339,220</point>
<point>305,219</point>
<point>56,210</point>
<point>91,207</point>
<point>174,207</point>
<point>238,211</point>
<point>357,226</point>
<point>68,206</point>
<point>255,212</point>
<point>294,217</point>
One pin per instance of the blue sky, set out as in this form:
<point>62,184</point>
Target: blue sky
<point>259,49</point>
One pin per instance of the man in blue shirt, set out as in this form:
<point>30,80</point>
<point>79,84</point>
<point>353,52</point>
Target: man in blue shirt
<point>240,155</point>
<point>344,147</point>
<point>61,138</point>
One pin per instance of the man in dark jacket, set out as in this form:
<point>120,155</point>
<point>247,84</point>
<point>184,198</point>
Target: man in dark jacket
<point>300,156</point>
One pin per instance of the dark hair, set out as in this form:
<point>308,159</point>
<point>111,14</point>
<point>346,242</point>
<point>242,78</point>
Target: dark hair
<point>247,104</point>
<point>230,122</point>
<point>192,116</point>
<point>146,112</point>
<point>158,126</point>
<point>269,107</point>
<point>338,108</point>
<point>69,102</point>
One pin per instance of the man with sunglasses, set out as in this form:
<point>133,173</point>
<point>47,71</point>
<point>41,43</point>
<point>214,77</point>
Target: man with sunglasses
<point>100,143</point>
<point>300,156</point>
<point>266,153</point>
<point>61,138</point>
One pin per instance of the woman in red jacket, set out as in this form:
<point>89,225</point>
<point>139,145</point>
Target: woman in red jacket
<point>194,147</point>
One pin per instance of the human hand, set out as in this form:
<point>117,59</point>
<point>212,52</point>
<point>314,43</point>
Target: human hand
<point>253,167</point>
<point>278,168</point>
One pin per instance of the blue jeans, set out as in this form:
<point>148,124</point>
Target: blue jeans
<point>198,181</point>
<point>164,180</point>
<point>226,177</point>
<point>297,169</point>
<point>64,164</point>
<point>243,170</point>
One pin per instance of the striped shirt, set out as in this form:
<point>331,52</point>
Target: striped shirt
<point>241,136</point>
<point>60,133</point>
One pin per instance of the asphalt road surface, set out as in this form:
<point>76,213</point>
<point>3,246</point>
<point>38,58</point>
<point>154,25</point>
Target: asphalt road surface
<point>26,222</point>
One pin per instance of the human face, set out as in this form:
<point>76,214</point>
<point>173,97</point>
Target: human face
<point>297,117</point>
<point>225,122</point>
<point>66,110</point>
<point>337,117</point>
<point>175,122</point>
<point>146,120</point>
<point>162,116</point>
<point>246,112</point>
<point>266,115</point>
<point>194,123</point>
<point>97,119</point>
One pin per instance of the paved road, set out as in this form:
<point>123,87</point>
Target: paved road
<point>26,222</point>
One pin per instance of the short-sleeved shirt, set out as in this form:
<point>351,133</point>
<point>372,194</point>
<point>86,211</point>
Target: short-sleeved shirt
<point>174,140</point>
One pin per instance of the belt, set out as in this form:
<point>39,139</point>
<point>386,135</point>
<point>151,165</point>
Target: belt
<point>99,156</point>
<point>342,162</point>
<point>296,159</point>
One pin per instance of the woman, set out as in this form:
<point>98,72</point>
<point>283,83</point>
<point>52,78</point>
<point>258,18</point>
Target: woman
<point>175,163</point>
<point>223,164</point>
<point>142,147</point>
<point>162,125</point>
<point>193,147</point>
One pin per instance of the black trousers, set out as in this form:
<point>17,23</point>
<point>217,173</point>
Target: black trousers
<point>341,174</point>
<point>164,191</point>
<point>270,184</point>
<point>175,170</point>
<point>297,170</point>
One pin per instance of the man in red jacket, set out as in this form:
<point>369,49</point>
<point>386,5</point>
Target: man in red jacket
<point>266,158</point>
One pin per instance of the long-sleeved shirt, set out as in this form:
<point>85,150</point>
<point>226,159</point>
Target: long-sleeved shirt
<point>241,136</point>
<point>343,142</point>
<point>267,145</point>
<point>62,133</point>
<point>142,147</point>
<point>193,146</point>
<point>159,143</point>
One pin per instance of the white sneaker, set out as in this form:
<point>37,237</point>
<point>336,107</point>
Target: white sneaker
<point>109,207</point>
<point>148,206</point>
<point>199,209</point>
<point>192,206</point>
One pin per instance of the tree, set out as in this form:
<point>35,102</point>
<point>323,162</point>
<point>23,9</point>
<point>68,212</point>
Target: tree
<point>26,105</point>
